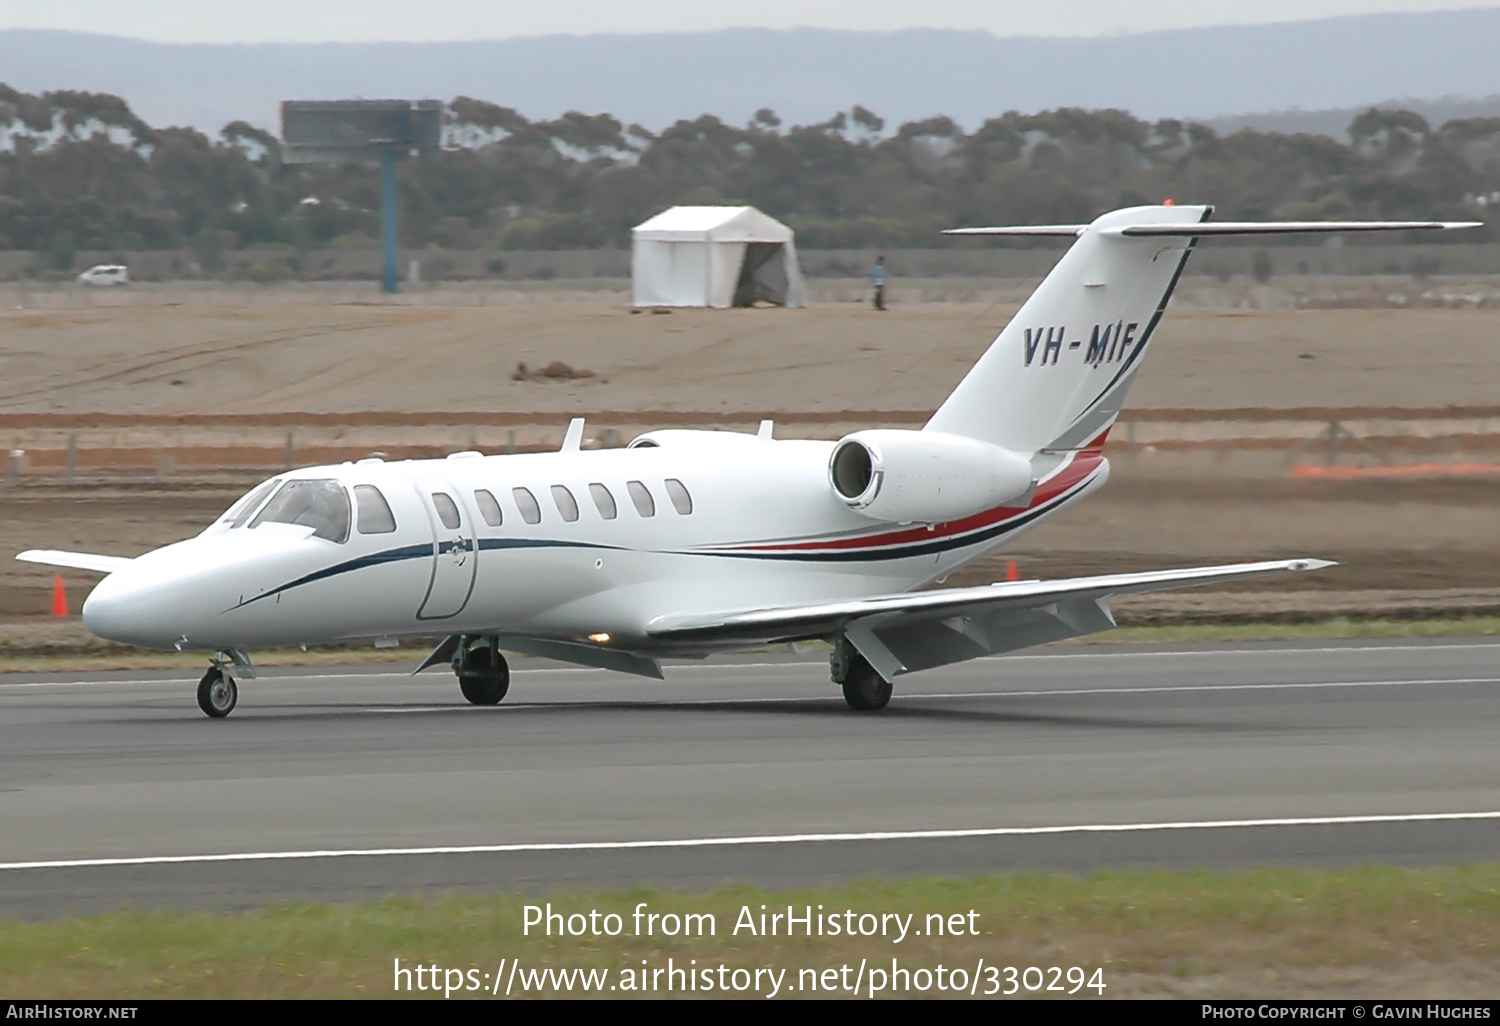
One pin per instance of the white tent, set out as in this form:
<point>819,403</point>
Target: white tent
<point>714,256</point>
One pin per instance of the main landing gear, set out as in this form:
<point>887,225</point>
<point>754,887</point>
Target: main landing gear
<point>864,689</point>
<point>217,692</point>
<point>483,675</point>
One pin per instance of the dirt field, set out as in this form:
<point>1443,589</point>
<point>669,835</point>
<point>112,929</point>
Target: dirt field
<point>294,352</point>
<point>300,351</point>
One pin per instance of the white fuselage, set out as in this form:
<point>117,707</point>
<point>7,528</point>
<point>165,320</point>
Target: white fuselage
<point>764,529</point>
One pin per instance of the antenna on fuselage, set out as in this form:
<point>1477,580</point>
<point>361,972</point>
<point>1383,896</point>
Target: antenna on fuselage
<point>573,440</point>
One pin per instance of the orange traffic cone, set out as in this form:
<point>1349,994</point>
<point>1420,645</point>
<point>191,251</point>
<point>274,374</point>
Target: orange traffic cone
<point>1011,574</point>
<point>59,597</point>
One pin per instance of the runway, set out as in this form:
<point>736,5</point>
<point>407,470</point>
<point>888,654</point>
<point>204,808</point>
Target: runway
<point>1067,759</point>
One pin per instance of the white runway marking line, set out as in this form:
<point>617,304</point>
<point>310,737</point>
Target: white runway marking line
<point>759,840</point>
<point>389,710</point>
<point>793,664</point>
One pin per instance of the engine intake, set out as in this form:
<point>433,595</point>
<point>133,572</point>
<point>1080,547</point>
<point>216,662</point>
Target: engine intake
<point>925,477</point>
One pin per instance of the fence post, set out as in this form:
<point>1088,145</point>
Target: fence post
<point>72,457</point>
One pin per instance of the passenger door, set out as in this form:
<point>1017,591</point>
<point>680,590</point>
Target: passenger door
<point>455,555</point>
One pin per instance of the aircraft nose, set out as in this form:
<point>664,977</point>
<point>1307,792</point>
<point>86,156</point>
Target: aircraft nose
<point>128,611</point>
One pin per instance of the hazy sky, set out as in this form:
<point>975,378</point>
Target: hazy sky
<point>247,21</point>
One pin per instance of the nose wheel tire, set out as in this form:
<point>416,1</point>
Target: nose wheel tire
<point>217,693</point>
<point>483,675</point>
<point>864,689</point>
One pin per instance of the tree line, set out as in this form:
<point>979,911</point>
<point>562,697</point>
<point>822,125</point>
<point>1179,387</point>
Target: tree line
<point>82,171</point>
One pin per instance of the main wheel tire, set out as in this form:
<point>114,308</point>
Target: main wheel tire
<point>864,689</point>
<point>217,693</point>
<point>483,676</point>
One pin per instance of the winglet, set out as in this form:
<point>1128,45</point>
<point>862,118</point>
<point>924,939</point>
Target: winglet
<point>766,427</point>
<point>573,440</point>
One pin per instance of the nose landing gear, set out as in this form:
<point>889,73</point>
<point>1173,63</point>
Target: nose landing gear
<point>217,692</point>
<point>483,675</point>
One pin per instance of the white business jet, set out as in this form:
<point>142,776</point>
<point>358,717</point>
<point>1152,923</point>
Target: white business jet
<point>687,543</point>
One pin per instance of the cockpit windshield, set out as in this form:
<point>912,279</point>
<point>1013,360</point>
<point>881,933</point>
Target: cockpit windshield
<point>320,504</point>
<point>241,511</point>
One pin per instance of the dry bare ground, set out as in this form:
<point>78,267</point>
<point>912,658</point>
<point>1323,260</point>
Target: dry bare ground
<point>343,352</point>
<point>309,350</point>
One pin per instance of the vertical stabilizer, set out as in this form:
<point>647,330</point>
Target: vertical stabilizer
<point>1056,377</point>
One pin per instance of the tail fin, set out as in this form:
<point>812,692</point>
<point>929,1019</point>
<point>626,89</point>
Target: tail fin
<point>1057,376</point>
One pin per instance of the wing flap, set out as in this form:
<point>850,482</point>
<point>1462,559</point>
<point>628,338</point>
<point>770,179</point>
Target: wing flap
<point>888,611</point>
<point>76,560</point>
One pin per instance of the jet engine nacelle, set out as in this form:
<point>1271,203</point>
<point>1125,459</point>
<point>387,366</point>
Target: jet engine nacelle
<point>925,477</point>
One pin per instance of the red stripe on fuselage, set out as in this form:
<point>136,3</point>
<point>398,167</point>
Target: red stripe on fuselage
<point>1082,466</point>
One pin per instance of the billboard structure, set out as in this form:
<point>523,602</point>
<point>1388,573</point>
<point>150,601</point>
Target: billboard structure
<point>364,132</point>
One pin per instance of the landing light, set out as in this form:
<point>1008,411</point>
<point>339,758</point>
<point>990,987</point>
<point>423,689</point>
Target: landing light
<point>601,638</point>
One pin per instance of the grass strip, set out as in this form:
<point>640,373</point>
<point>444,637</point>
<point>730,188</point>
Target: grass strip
<point>1373,931</point>
<point>192,663</point>
<point>1317,630</point>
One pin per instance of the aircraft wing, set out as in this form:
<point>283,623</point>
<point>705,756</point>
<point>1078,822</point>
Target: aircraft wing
<point>75,560</point>
<point>919,630</point>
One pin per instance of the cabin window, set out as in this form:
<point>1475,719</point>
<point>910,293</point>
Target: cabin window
<point>320,504</point>
<point>641,496</point>
<point>373,513</point>
<point>246,507</point>
<point>566,504</point>
<point>531,512</point>
<point>488,507</point>
<point>447,510</point>
<point>604,500</point>
<point>678,493</point>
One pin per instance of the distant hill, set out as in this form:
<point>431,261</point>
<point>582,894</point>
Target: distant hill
<point>1336,122</point>
<point>805,75</point>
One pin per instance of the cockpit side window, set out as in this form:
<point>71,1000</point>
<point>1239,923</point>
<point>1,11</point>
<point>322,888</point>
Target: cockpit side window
<point>322,505</point>
<point>246,507</point>
<point>374,513</point>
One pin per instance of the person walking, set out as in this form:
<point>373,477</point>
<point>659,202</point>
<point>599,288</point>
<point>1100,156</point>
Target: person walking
<point>877,279</point>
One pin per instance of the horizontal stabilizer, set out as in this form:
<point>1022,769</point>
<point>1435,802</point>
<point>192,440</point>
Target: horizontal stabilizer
<point>75,560</point>
<point>1206,230</point>
<point>1181,231</point>
<point>1064,231</point>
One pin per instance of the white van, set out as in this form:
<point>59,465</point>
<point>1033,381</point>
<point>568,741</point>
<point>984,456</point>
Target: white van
<point>105,274</point>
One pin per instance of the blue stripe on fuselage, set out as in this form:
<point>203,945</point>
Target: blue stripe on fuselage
<point>422,551</point>
<point>933,547</point>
